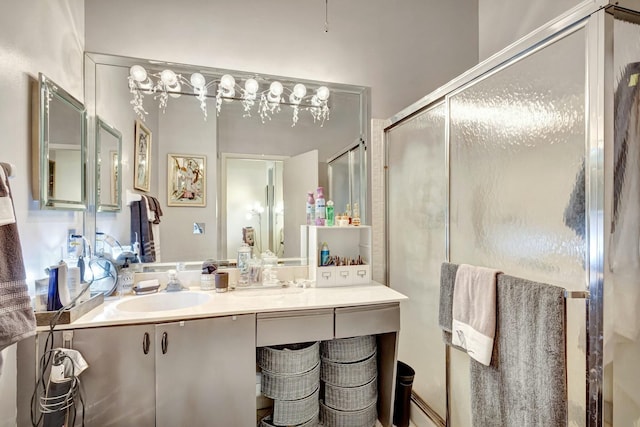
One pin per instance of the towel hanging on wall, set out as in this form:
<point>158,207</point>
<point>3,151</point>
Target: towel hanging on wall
<point>17,320</point>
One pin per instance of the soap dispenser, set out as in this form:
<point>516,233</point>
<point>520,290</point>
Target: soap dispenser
<point>174,284</point>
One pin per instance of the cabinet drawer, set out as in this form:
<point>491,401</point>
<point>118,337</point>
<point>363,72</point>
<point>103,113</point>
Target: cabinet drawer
<point>325,276</point>
<point>288,327</point>
<point>353,274</point>
<point>367,320</point>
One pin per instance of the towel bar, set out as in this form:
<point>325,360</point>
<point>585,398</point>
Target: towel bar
<point>576,294</point>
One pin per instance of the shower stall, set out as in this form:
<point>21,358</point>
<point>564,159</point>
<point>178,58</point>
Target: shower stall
<point>516,165</point>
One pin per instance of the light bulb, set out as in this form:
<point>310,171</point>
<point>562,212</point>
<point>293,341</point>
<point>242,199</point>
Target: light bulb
<point>174,90</point>
<point>168,77</point>
<point>299,90</point>
<point>138,73</point>
<point>227,81</point>
<point>197,80</point>
<point>323,93</point>
<point>276,88</point>
<point>248,216</point>
<point>146,86</point>
<point>251,86</point>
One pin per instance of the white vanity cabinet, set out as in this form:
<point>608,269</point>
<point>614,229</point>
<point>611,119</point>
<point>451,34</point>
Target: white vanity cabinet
<point>121,371</point>
<point>185,373</point>
<point>205,372</point>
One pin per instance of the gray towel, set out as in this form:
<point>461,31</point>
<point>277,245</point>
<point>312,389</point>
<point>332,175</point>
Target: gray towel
<point>141,227</point>
<point>17,320</point>
<point>445,312</point>
<point>447,281</point>
<point>525,385</point>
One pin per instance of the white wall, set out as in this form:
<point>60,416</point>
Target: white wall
<point>35,36</point>
<point>501,23</point>
<point>401,49</point>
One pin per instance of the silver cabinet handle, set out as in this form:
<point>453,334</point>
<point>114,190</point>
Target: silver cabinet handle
<point>165,342</point>
<point>146,342</point>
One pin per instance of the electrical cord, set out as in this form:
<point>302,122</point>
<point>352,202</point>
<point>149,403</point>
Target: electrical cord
<point>46,405</point>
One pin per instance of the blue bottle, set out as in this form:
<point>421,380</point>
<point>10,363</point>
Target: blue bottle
<point>324,254</point>
<point>53,297</point>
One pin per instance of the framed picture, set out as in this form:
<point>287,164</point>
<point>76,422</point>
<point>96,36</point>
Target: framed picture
<point>142,158</point>
<point>186,180</point>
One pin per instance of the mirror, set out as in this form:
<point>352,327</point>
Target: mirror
<point>59,147</point>
<point>108,158</point>
<point>213,227</point>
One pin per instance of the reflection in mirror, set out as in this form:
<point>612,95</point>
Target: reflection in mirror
<point>59,146</point>
<point>108,158</point>
<point>254,186</point>
<point>181,127</point>
<point>347,181</point>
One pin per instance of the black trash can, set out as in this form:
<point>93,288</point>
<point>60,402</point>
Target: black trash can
<point>404,382</point>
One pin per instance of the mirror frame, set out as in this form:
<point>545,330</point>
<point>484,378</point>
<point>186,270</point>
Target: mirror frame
<point>44,91</point>
<point>108,207</point>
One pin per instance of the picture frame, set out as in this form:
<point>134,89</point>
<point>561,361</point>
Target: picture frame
<point>142,158</point>
<point>186,180</point>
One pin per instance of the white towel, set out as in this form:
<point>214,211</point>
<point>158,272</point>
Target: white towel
<point>474,311</point>
<point>6,205</point>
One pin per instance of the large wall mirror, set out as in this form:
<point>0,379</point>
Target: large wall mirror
<point>108,158</point>
<point>59,147</point>
<point>221,166</point>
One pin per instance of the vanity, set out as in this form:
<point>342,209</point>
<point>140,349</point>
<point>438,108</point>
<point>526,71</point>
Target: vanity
<point>192,361</point>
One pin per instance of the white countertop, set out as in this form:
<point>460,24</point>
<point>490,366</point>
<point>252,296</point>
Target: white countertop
<point>240,301</point>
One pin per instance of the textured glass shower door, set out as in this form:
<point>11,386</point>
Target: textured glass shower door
<point>517,189</point>
<point>416,214</point>
<point>622,290</point>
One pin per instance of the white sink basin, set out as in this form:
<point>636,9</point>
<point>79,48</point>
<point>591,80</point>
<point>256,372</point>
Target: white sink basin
<point>163,302</point>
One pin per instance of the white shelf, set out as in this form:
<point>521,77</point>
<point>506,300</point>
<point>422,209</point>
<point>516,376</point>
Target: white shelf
<point>342,242</point>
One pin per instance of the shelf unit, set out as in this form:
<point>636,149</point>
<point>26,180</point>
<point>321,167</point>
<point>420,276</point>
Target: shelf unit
<point>351,242</point>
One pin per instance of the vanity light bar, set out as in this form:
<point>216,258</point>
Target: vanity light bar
<point>167,84</point>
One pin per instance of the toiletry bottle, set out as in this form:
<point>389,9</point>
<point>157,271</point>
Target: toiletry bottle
<point>356,215</point>
<point>320,207</point>
<point>125,279</point>
<point>330,217</point>
<point>53,296</point>
<point>348,212</point>
<point>324,254</point>
<point>311,208</point>
<point>73,282</point>
<point>244,255</point>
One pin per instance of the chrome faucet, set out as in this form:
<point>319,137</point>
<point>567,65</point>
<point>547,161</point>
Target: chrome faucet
<point>174,284</point>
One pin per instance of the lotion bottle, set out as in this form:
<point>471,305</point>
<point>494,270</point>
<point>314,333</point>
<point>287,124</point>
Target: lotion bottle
<point>311,207</point>
<point>320,207</point>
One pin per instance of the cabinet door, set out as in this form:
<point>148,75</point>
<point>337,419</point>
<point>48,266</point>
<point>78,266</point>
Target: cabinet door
<point>205,372</point>
<point>119,382</point>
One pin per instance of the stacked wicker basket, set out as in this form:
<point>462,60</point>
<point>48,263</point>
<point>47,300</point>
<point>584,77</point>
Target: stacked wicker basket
<point>349,376</point>
<point>291,377</point>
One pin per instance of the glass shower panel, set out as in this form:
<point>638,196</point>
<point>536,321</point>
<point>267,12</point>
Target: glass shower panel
<point>622,291</point>
<point>416,245</point>
<point>517,150</point>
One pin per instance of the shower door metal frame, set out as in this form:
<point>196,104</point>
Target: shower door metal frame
<point>597,19</point>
